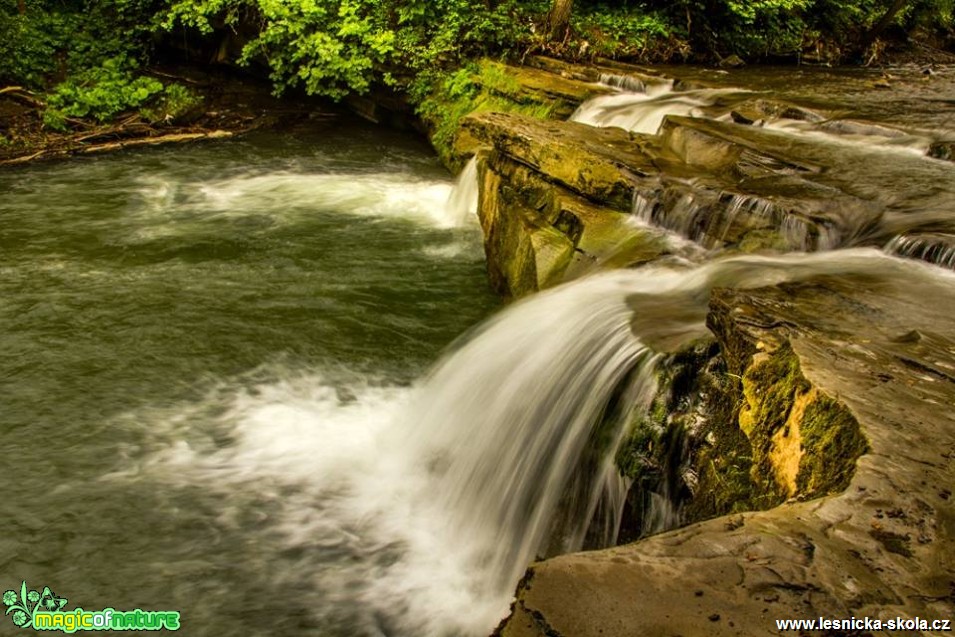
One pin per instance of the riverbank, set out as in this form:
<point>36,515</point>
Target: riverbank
<point>229,103</point>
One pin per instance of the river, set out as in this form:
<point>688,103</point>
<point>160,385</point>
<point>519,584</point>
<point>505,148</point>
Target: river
<point>190,337</point>
<point>264,383</point>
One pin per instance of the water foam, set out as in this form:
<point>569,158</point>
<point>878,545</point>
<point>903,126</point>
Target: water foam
<point>165,207</point>
<point>415,510</point>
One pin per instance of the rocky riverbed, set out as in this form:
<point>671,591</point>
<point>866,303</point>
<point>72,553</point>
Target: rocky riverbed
<point>824,403</point>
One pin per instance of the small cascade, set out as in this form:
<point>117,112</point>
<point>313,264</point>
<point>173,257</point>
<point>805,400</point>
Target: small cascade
<point>795,231</point>
<point>623,82</point>
<point>644,111</point>
<point>714,219</point>
<point>938,249</point>
<point>687,214</point>
<point>855,134</point>
<point>462,203</point>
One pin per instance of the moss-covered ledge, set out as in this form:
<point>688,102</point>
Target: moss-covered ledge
<point>883,546</point>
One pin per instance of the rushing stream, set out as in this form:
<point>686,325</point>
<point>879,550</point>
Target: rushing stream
<point>217,398</point>
<point>193,340</point>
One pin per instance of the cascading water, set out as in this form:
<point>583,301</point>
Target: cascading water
<point>462,203</point>
<point>623,82</point>
<point>416,510</point>
<point>938,249</point>
<point>644,111</point>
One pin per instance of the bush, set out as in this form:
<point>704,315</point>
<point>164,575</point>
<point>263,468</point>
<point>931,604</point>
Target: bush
<point>335,47</point>
<point>110,89</point>
<point>53,39</point>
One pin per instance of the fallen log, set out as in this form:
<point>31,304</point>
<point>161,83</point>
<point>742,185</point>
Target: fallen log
<point>64,151</point>
<point>22,95</point>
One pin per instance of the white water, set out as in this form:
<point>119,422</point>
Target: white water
<point>169,206</point>
<point>462,202</point>
<point>874,139</point>
<point>623,82</point>
<point>644,112</point>
<point>707,217</point>
<point>415,510</point>
<point>933,248</point>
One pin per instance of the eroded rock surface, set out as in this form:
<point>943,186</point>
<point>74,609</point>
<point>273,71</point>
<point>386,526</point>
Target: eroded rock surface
<point>722,184</point>
<point>865,372</point>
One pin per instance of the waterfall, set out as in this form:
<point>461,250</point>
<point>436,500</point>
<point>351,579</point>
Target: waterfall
<point>624,82</point>
<point>518,423</point>
<point>513,435</point>
<point>415,510</point>
<point>712,218</point>
<point>934,248</point>
<point>462,203</point>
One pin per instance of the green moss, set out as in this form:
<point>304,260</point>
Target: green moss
<point>832,443</point>
<point>494,78</point>
<point>723,459</point>
<point>758,240</point>
<point>476,88</point>
<point>635,456</point>
<point>830,440</point>
<point>770,388</point>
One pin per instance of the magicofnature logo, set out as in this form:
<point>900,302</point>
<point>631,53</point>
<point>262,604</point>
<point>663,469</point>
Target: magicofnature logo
<point>44,610</point>
<point>25,605</point>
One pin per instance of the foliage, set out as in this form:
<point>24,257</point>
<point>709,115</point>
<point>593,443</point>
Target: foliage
<point>758,29</point>
<point>334,47</point>
<point>614,31</point>
<point>54,39</point>
<point>175,101</point>
<point>105,91</point>
<point>30,44</point>
<point>337,47</point>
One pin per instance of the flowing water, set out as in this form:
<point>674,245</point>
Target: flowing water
<point>194,341</point>
<point>866,177</point>
<point>220,392</point>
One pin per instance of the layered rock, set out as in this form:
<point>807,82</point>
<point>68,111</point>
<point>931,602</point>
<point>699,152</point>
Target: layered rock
<point>721,184</point>
<point>829,370</point>
<point>822,404</point>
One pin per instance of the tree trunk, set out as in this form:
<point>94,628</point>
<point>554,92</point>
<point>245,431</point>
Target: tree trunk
<point>558,21</point>
<point>883,23</point>
<point>22,7</point>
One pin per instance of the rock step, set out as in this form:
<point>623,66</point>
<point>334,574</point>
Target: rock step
<point>726,185</point>
<point>883,548</point>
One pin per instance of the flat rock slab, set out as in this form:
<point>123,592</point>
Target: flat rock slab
<point>884,548</point>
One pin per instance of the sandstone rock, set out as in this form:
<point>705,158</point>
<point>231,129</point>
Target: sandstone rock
<point>530,85</point>
<point>883,547</point>
<point>538,234</point>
